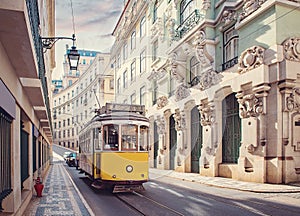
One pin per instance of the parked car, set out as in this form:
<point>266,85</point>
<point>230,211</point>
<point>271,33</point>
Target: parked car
<point>71,159</point>
<point>66,154</point>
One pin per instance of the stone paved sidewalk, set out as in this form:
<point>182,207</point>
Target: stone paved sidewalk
<point>60,196</point>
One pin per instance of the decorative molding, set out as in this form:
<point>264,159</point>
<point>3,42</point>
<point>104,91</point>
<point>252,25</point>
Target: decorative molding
<point>162,102</point>
<point>228,17</point>
<point>291,49</point>
<point>293,100</point>
<point>161,124</point>
<point>206,79</point>
<point>206,4</point>
<point>205,59</point>
<point>249,7</point>
<point>157,74</point>
<point>207,112</point>
<point>180,122</point>
<point>182,92</point>
<point>250,105</point>
<point>176,73</point>
<point>157,29</point>
<point>251,58</point>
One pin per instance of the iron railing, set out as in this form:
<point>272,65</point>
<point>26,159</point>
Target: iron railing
<point>190,22</point>
<point>5,156</point>
<point>230,63</point>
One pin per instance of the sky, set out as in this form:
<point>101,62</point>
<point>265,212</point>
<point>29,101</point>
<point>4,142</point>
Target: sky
<point>94,22</point>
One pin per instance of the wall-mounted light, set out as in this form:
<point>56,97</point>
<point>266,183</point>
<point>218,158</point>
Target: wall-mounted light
<point>73,55</point>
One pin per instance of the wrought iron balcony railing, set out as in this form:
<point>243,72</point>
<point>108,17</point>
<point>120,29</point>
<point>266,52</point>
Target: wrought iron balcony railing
<point>191,21</point>
<point>230,63</point>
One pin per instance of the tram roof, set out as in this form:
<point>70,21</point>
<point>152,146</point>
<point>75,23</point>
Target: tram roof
<point>115,107</point>
<point>119,116</point>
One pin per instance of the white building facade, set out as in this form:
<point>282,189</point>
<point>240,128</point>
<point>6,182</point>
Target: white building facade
<point>221,85</point>
<point>75,105</point>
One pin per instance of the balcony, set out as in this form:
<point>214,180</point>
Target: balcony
<point>190,22</point>
<point>230,63</point>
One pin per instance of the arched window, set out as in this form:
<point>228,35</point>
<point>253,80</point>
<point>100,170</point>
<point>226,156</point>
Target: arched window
<point>142,27</point>
<point>186,8</point>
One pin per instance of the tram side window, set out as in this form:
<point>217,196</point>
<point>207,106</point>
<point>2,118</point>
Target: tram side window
<point>111,137</point>
<point>144,138</point>
<point>129,137</point>
<point>97,141</point>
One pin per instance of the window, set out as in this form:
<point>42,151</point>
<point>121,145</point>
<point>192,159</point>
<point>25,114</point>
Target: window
<point>119,61</point>
<point>155,11</point>
<point>111,137</point>
<point>111,83</point>
<point>133,40</point>
<point>186,8</point>
<point>143,27</point>
<point>70,82</point>
<point>155,93</point>
<point>129,137</point>
<point>132,71</point>
<point>133,99</point>
<point>142,95</point>
<point>231,40</point>
<point>125,78</point>
<point>83,61</point>
<point>194,68</point>
<point>142,62</point>
<point>144,135</point>
<point>119,85</point>
<point>155,49</point>
<point>125,48</point>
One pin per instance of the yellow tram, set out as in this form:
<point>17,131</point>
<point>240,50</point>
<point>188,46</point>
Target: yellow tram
<point>114,147</point>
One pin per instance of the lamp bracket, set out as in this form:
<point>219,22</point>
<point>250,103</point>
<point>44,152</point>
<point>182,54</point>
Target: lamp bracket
<point>48,42</point>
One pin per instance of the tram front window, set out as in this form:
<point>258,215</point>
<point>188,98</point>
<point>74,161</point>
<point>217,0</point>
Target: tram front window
<point>144,134</point>
<point>111,137</point>
<point>129,137</point>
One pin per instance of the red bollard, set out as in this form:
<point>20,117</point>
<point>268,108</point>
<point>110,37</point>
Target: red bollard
<point>38,187</point>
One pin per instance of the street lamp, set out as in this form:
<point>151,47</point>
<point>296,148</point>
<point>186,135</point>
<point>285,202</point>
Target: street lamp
<point>73,55</point>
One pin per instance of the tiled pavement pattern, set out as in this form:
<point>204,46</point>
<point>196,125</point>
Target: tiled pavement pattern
<point>59,196</point>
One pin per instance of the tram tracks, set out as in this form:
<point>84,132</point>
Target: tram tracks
<point>145,205</point>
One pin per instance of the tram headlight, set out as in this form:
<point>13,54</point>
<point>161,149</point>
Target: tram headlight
<point>129,168</point>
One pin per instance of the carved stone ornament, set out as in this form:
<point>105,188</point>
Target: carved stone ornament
<point>249,7</point>
<point>181,92</point>
<point>228,17</point>
<point>293,100</point>
<point>161,124</point>
<point>179,118</point>
<point>176,73</point>
<point>206,79</point>
<point>162,102</point>
<point>291,48</point>
<point>157,74</point>
<point>207,112</point>
<point>206,4</point>
<point>158,29</point>
<point>250,106</point>
<point>251,58</point>
<point>205,59</point>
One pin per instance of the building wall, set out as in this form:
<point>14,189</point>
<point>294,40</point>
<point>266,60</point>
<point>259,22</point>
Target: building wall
<point>76,104</point>
<point>24,83</point>
<point>258,76</point>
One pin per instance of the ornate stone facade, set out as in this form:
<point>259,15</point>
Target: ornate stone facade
<point>251,58</point>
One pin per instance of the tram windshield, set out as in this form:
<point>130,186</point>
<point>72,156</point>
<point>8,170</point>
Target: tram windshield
<point>111,137</point>
<point>129,137</point>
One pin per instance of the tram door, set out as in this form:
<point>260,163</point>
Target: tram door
<point>156,141</point>
<point>231,124</point>
<point>196,139</point>
<point>173,142</point>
